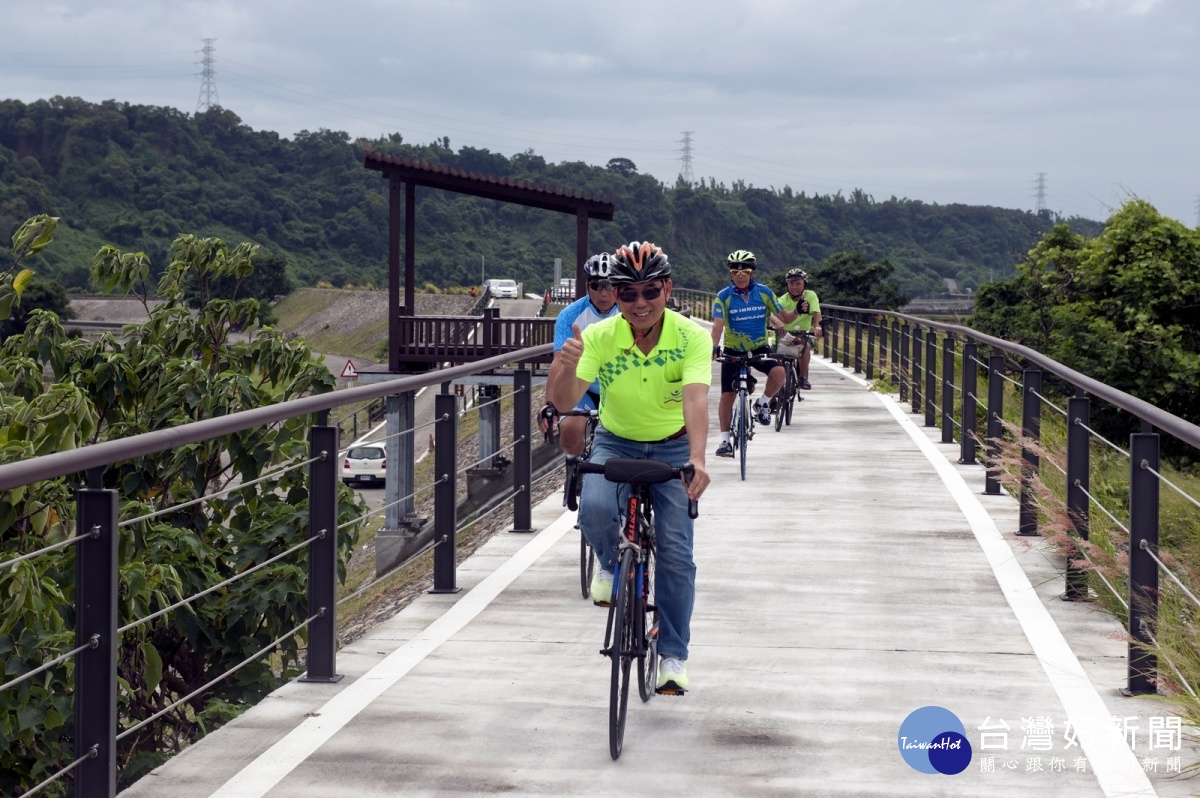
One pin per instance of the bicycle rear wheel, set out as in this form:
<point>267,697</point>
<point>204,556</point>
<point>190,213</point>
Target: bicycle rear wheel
<point>734,436</point>
<point>647,615</point>
<point>621,653</point>
<point>790,387</point>
<point>587,565</point>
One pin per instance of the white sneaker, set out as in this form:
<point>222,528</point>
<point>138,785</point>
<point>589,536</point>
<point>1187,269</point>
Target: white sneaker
<point>602,587</point>
<point>672,676</point>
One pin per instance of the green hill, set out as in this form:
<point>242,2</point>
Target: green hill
<point>135,176</point>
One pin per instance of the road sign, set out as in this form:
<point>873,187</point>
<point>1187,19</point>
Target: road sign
<point>349,372</point>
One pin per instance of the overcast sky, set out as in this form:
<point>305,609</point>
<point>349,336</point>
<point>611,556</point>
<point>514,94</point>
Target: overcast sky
<point>938,100</point>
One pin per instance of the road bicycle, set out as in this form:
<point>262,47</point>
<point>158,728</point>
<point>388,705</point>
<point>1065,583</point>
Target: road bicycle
<point>631,632</point>
<point>789,394</point>
<point>741,427</point>
<point>571,489</point>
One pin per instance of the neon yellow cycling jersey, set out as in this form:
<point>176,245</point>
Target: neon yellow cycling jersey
<point>803,322</point>
<point>641,396</point>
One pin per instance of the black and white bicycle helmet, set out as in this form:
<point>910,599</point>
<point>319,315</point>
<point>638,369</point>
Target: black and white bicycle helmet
<point>598,267</point>
<point>741,257</point>
<point>792,273</point>
<point>637,262</point>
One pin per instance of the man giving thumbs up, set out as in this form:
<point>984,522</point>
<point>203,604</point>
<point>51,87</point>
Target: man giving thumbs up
<point>654,369</point>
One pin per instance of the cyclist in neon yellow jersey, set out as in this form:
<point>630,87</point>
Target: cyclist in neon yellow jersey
<point>802,299</point>
<point>654,369</point>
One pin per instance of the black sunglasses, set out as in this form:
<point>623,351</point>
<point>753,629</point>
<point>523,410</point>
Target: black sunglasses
<point>649,294</point>
<point>600,285</point>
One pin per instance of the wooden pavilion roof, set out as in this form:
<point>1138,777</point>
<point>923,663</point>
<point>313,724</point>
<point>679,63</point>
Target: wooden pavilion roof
<point>505,189</point>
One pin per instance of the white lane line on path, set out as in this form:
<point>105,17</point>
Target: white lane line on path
<point>1115,766</point>
<point>261,775</point>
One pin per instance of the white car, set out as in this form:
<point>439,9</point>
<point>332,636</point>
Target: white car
<point>504,289</point>
<point>364,464</point>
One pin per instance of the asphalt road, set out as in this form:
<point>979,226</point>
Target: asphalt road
<point>374,494</point>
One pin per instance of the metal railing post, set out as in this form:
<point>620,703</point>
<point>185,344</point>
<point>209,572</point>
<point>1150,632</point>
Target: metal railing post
<point>491,319</point>
<point>833,339</point>
<point>894,341</point>
<point>995,411</point>
<point>948,389</point>
<point>1078,482</point>
<point>523,451</point>
<point>858,344</point>
<point>969,386</point>
<point>931,379</point>
<point>1031,430</point>
<point>870,347</point>
<point>845,342</point>
<point>1143,571</point>
<point>915,379</point>
<point>96,668</point>
<point>445,511</point>
<point>322,554</point>
<point>905,362</point>
<point>827,338</point>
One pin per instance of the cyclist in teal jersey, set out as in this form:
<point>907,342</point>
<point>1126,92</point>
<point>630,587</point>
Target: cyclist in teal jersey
<point>741,311</point>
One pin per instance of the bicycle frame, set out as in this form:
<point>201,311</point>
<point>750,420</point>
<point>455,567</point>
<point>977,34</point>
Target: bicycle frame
<point>742,425</point>
<point>627,634</point>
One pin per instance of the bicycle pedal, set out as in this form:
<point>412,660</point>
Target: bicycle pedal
<point>600,603</point>
<point>670,689</point>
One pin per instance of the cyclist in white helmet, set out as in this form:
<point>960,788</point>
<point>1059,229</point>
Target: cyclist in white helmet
<point>599,303</point>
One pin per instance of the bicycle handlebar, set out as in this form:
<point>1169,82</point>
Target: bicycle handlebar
<point>742,357</point>
<point>640,471</point>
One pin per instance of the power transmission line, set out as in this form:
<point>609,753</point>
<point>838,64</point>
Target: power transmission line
<point>208,85</point>
<point>685,157</point>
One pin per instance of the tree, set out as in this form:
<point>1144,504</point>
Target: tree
<point>1122,307</point>
<point>39,294</point>
<point>32,237</point>
<point>175,368</point>
<point>848,278</point>
<point>622,166</point>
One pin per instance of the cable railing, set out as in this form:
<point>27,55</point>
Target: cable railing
<point>224,492</point>
<point>33,555</point>
<point>89,670</point>
<point>894,343</point>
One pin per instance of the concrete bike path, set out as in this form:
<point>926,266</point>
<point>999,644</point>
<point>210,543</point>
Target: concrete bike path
<point>840,588</point>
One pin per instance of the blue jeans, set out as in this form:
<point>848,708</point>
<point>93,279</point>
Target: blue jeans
<point>600,508</point>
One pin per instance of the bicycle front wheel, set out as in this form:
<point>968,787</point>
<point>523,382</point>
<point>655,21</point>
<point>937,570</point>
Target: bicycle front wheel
<point>743,423</point>
<point>622,654</point>
<point>587,565</point>
<point>790,386</point>
<point>647,616</point>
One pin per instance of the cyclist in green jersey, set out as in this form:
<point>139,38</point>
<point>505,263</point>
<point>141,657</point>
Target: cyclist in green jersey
<point>800,298</point>
<point>654,369</point>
